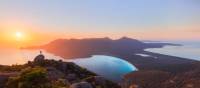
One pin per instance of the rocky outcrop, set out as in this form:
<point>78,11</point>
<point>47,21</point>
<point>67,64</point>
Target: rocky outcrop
<point>81,85</point>
<point>53,74</point>
<point>101,82</point>
<point>39,58</point>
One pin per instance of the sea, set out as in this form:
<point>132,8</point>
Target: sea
<point>188,49</point>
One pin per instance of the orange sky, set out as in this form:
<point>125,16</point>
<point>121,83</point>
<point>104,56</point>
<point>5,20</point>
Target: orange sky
<point>34,34</point>
<point>32,37</point>
<point>41,21</point>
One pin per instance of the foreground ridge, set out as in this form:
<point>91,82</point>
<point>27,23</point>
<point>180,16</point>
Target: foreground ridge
<point>43,73</point>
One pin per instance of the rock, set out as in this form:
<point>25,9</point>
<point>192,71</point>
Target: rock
<point>54,74</point>
<point>134,86</point>
<point>63,67</point>
<point>81,85</point>
<point>72,78</point>
<point>39,58</point>
<point>101,82</point>
<point>98,80</point>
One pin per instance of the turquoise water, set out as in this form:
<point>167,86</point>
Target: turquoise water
<point>189,49</point>
<point>109,67</point>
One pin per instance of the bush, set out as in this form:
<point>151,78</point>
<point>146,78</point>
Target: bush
<point>30,78</point>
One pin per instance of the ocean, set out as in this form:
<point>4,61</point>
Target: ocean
<point>189,49</point>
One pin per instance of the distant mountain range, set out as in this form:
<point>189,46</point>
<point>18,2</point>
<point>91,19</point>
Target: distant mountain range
<point>124,48</point>
<point>76,48</point>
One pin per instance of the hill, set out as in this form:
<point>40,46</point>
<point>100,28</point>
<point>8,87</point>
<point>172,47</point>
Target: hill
<point>43,73</point>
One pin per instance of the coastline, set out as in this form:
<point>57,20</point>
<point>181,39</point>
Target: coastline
<point>142,63</point>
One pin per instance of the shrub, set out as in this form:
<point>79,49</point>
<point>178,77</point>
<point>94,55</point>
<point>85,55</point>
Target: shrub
<point>30,78</point>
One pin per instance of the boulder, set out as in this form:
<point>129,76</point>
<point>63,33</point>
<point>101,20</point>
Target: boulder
<point>54,74</point>
<point>72,78</point>
<point>81,85</point>
<point>98,80</point>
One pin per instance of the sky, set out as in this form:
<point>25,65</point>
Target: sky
<point>42,20</point>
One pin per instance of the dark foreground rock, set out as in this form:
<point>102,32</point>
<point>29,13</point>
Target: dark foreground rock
<point>43,73</point>
<point>81,85</point>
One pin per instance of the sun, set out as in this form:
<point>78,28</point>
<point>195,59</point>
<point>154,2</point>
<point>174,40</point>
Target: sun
<point>19,35</point>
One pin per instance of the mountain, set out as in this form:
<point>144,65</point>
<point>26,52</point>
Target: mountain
<point>76,48</point>
<point>124,48</point>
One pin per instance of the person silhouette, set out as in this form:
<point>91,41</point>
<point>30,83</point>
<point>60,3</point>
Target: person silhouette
<point>39,58</point>
<point>40,52</point>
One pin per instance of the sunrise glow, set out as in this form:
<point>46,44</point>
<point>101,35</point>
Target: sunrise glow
<point>19,34</point>
<point>74,20</point>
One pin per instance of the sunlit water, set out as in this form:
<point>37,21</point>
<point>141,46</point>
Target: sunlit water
<point>9,56</point>
<point>145,55</point>
<point>190,50</point>
<point>107,66</point>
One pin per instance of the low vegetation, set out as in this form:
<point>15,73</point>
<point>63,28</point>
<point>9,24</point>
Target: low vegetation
<point>174,78</point>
